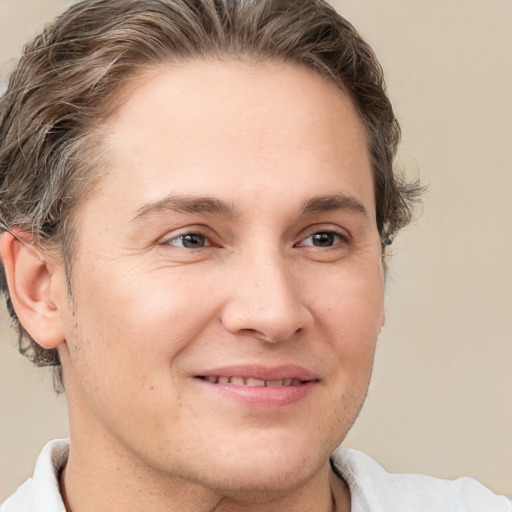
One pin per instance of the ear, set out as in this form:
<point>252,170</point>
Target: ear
<point>35,287</point>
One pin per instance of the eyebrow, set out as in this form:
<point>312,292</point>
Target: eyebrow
<point>189,204</point>
<point>335,202</point>
<point>213,206</point>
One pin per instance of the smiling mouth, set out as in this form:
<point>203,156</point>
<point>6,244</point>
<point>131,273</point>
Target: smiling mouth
<point>260,387</point>
<point>252,382</point>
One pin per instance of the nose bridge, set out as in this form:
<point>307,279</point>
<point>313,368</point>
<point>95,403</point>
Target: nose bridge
<point>272,280</point>
<point>265,297</point>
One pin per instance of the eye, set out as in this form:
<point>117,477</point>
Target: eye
<point>322,239</point>
<point>190,241</point>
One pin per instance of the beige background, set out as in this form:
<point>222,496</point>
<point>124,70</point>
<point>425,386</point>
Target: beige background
<point>440,401</point>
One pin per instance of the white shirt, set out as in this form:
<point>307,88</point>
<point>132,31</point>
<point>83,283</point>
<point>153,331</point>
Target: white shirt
<point>371,487</point>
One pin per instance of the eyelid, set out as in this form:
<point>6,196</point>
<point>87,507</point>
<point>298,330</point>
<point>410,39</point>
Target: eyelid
<point>182,238</point>
<point>313,230</point>
<point>189,230</point>
<point>341,241</point>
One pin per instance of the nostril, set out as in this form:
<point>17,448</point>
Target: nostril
<point>249,331</point>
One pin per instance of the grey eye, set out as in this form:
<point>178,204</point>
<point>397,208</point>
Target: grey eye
<point>322,239</point>
<point>190,241</point>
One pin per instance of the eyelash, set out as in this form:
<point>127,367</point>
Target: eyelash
<point>342,238</point>
<point>182,237</point>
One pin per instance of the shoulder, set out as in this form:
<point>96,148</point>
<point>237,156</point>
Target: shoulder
<point>41,492</point>
<point>374,490</point>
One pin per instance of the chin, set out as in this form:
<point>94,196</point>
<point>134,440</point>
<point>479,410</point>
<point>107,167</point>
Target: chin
<point>273,467</point>
<point>271,480</point>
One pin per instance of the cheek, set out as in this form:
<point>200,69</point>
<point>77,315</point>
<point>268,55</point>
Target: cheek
<point>128,335</point>
<point>351,314</point>
<point>352,303</point>
<point>141,312</point>
<point>123,337</point>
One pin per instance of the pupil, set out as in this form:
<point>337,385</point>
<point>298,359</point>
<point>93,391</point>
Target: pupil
<point>323,239</point>
<point>193,241</point>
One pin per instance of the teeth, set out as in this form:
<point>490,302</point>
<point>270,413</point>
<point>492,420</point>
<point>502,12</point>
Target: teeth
<point>255,383</point>
<point>251,382</point>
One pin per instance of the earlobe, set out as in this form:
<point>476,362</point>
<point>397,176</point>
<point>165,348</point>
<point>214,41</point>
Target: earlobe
<point>33,286</point>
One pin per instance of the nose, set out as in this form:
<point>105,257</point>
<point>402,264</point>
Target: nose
<point>265,300</point>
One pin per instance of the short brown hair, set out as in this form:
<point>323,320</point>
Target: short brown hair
<point>69,77</point>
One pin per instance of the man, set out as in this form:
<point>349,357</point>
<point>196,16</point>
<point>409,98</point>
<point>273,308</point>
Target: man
<point>196,198</point>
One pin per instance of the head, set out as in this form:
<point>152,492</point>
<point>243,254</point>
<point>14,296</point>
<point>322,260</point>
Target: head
<point>70,77</point>
<point>305,94</point>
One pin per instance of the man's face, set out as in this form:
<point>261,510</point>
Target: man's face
<point>228,289</point>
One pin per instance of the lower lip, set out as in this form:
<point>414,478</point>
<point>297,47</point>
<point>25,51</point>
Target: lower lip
<point>262,397</point>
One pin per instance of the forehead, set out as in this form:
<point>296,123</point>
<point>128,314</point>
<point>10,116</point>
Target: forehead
<point>197,97</point>
<point>211,127</point>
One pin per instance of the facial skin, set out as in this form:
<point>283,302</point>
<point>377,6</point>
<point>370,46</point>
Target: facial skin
<point>209,249</point>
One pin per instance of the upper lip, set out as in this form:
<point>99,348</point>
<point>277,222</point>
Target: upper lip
<point>256,371</point>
